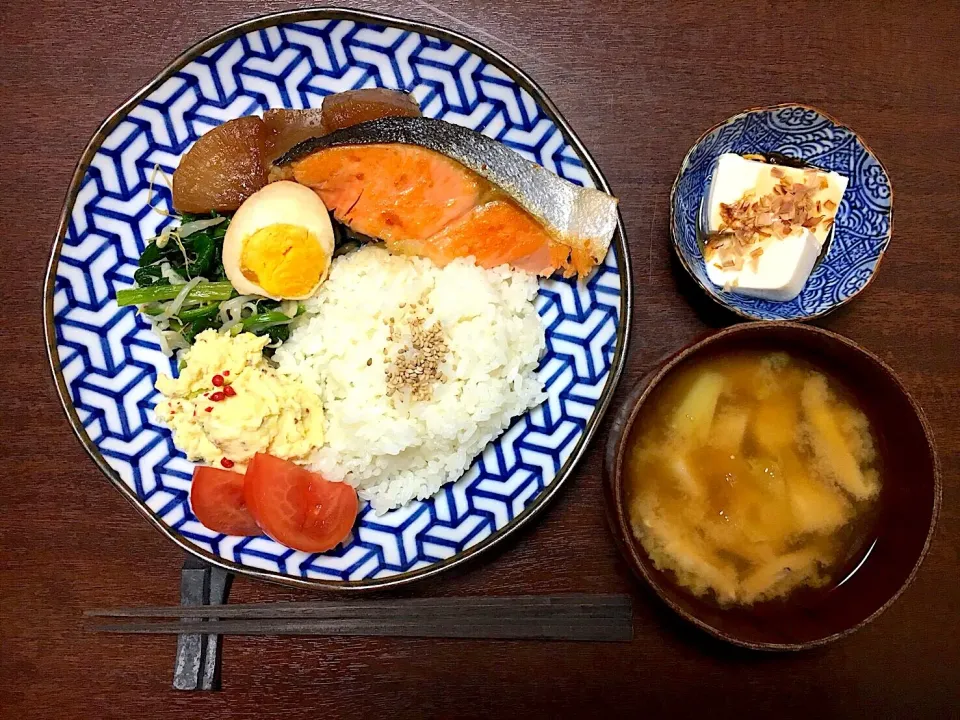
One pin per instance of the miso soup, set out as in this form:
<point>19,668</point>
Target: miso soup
<point>751,474</point>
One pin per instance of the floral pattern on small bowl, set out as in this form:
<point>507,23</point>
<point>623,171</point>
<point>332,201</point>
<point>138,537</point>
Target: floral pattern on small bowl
<point>864,220</point>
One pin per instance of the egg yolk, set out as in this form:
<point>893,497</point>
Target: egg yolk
<point>285,260</point>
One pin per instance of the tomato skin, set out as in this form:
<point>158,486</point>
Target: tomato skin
<point>216,498</point>
<point>296,507</point>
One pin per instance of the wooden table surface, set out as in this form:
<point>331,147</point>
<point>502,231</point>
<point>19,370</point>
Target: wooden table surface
<point>639,82</point>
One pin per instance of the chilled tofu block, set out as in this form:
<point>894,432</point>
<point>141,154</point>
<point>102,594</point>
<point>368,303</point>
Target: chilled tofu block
<point>778,273</point>
<point>734,176</point>
<point>766,225</point>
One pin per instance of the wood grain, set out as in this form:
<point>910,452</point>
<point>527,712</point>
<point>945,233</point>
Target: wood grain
<point>639,82</point>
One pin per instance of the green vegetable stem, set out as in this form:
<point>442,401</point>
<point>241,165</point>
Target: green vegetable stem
<point>204,292</point>
<point>256,324</point>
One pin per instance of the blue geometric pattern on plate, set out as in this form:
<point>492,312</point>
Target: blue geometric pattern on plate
<point>110,360</point>
<point>864,219</point>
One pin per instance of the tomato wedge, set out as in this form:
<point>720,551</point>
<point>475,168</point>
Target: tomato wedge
<point>296,507</point>
<point>216,497</point>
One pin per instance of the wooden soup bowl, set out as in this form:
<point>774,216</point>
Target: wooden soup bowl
<point>909,498</point>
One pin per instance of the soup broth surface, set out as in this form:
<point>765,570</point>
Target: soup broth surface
<point>751,474</point>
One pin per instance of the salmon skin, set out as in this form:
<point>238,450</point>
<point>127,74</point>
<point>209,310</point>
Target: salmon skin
<point>435,206</point>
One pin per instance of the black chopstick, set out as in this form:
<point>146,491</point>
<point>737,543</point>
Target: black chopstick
<point>319,610</point>
<point>601,618</point>
<point>597,630</point>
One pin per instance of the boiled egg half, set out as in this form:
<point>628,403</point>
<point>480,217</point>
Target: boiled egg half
<point>279,243</point>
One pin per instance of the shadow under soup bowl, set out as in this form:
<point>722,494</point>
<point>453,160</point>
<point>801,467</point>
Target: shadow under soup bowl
<point>852,550</point>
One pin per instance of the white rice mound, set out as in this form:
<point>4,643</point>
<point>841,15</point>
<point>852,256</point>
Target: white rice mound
<point>393,452</point>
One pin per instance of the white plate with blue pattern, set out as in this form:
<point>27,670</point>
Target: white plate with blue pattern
<point>864,221</point>
<point>105,360</point>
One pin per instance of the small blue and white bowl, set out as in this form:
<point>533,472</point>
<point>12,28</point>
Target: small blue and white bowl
<point>864,220</point>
